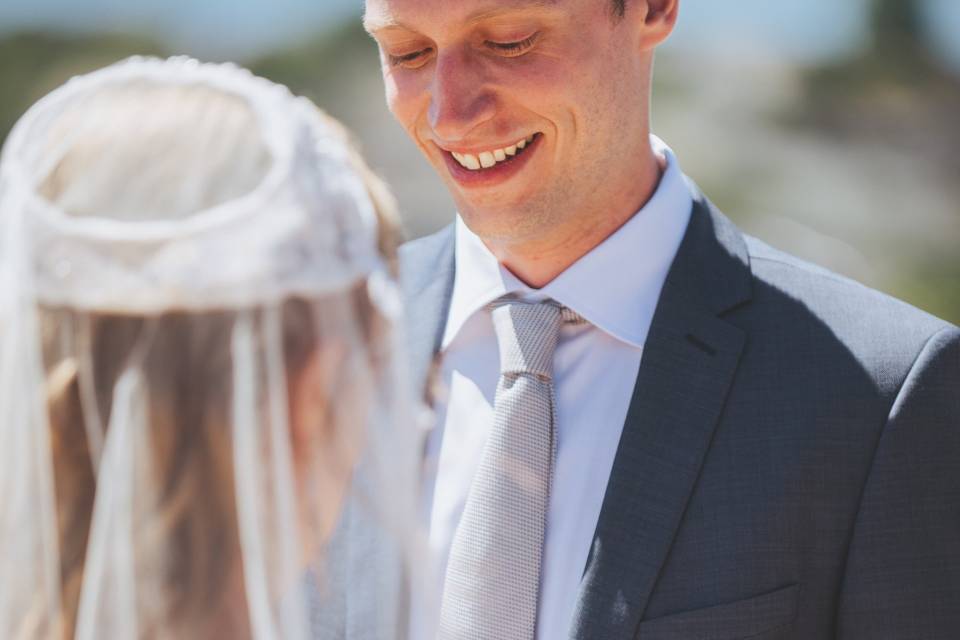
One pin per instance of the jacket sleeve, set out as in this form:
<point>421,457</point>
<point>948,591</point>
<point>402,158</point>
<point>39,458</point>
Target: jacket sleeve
<point>902,576</point>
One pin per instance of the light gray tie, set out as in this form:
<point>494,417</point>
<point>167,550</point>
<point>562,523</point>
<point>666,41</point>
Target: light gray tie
<point>493,573</point>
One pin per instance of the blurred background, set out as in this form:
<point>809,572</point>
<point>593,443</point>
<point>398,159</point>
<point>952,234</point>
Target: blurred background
<point>828,129</point>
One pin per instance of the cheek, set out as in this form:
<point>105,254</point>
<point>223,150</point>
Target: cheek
<point>393,94</point>
<point>596,91</point>
<point>557,81</point>
<point>553,93</point>
<point>405,97</point>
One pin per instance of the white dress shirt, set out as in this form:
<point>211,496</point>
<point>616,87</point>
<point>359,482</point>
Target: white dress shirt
<point>615,287</point>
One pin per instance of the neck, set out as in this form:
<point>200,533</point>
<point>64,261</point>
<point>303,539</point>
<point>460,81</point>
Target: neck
<point>538,261</point>
<point>230,617</point>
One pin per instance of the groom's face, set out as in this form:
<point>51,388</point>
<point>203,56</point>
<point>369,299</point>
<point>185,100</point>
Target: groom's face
<point>525,108</point>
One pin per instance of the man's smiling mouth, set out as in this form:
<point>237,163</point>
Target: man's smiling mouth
<point>489,159</point>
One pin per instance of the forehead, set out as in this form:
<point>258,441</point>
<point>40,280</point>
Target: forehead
<point>384,14</point>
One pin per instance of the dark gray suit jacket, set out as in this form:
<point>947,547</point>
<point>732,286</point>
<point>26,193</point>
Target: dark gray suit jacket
<point>790,463</point>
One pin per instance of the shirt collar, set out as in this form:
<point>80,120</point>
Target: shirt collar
<point>615,286</point>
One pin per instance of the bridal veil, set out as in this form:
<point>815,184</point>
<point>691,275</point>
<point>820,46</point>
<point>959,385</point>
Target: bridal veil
<point>196,384</point>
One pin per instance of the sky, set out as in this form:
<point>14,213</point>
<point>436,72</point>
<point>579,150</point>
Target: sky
<point>804,30</point>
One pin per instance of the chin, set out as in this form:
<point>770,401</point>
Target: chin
<point>502,222</point>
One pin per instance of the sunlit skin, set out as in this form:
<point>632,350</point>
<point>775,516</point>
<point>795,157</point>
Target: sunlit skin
<point>477,75</point>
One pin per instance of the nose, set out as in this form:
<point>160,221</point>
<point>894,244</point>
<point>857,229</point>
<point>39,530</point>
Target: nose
<point>459,97</point>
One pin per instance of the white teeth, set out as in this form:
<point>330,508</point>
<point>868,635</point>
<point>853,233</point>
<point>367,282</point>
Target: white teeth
<point>488,159</point>
<point>470,161</point>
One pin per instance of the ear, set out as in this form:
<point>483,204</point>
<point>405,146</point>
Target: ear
<point>321,468</point>
<point>654,19</point>
<point>309,400</point>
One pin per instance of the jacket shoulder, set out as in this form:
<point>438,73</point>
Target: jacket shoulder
<point>428,244</point>
<point>824,288</point>
<point>880,331</point>
<point>422,259</point>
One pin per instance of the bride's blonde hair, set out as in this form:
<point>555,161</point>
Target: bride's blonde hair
<point>164,152</point>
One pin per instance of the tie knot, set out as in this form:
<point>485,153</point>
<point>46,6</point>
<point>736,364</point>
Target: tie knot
<point>527,334</point>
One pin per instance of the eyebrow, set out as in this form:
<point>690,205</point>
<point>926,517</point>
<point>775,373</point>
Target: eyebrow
<point>375,24</point>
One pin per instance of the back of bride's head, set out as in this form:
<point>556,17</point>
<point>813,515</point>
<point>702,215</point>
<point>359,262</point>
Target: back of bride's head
<point>144,150</point>
<point>154,151</point>
<point>198,351</point>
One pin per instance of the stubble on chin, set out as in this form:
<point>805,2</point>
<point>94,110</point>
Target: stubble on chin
<point>510,225</point>
<point>535,222</point>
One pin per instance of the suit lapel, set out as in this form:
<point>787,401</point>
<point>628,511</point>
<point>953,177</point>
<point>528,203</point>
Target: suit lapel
<point>362,564</point>
<point>688,364</point>
<point>426,273</point>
